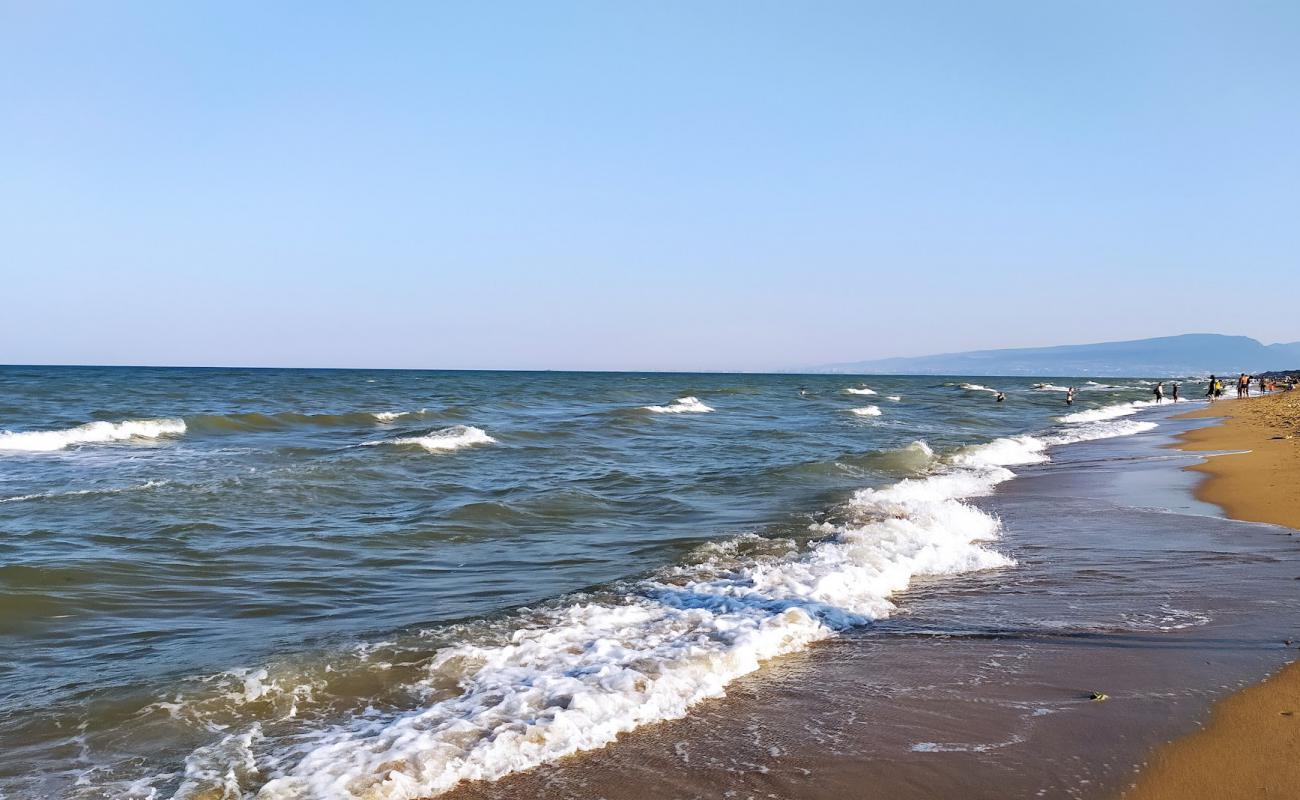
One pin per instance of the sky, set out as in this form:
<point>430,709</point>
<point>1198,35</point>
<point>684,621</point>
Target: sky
<point>639,186</point>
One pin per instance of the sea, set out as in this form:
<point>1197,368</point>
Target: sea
<point>275,583</point>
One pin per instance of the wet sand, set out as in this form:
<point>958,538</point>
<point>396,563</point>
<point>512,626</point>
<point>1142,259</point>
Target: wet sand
<point>1259,478</point>
<point>1251,745</point>
<point>979,687</point>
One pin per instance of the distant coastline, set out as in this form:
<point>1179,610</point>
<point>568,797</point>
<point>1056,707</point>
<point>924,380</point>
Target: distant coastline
<point>1186,354</point>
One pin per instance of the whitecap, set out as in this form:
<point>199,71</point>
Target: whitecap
<point>389,416</point>
<point>867,411</point>
<point>860,390</point>
<point>452,438</point>
<point>1107,412</point>
<point>682,405</point>
<point>90,433</point>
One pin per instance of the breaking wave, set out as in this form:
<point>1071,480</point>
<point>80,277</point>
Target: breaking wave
<point>91,433</point>
<point>682,405</point>
<point>452,438</point>
<point>860,390</point>
<point>1106,412</point>
<point>509,694</point>
<point>867,411</point>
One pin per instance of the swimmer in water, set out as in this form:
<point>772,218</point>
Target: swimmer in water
<point>1000,397</point>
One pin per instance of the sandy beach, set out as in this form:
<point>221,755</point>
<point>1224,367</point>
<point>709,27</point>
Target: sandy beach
<point>1251,745</point>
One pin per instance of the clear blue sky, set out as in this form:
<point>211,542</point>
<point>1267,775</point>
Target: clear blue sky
<point>621,185</point>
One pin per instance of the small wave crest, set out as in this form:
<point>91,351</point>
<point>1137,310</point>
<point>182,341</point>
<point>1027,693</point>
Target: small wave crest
<point>1107,412</point>
<point>256,421</point>
<point>975,387</point>
<point>90,433</point>
<point>682,405</point>
<point>83,492</point>
<point>860,390</point>
<point>867,411</point>
<point>452,438</point>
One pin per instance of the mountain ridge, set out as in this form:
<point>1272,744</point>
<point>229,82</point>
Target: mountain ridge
<point>1183,354</point>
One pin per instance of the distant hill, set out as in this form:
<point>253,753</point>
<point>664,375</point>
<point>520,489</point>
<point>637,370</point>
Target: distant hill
<point>1188,354</point>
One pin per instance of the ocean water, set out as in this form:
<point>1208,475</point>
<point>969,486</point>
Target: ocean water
<point>225,583</point>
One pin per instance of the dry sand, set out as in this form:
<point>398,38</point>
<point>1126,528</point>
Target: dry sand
<point>1250,747</point>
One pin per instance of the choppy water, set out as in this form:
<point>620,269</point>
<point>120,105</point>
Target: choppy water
<point>291,584</point>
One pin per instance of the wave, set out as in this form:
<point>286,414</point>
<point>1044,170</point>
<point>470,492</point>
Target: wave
<point>83,492</point>
<point>1106,412</point>
<point>860,390</point>
<point>256,421</point>
<point>867,411</point>
<point>1017,450</point>
<point>893,397</point>
<point>452,438</point>
<point>975,387</point>
<point>508,694</point>
<point>682,405</point>
<point>1050,387</point>
<point>575,676</point>
<point>91,433</point>
<point>389,416</point>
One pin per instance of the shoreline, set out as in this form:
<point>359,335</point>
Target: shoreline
<point>980,692</point>
<point>1250,744</point>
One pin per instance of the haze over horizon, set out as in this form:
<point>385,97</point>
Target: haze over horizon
<point>730,187</point>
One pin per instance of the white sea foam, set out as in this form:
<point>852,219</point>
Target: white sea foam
<point>867,411</point>
<point>452,438</point>
<point>1107,412</point>
<point>389,416</point>
<point>1050,387</point>
<point>893,397</point>
<point>975,387</point>
<point>682,405</point>
<point>860,390</point>
<point>1014,450</point>
<point>90,433</point>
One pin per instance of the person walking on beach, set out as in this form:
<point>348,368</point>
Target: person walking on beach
<point>1159,391</point>
<point>1243,386</point>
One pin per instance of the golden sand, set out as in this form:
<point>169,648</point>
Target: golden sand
<point>1250,747</point>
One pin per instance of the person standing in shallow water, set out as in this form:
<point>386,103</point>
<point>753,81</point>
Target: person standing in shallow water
<point>1159,391</point>
<point>1209,390</point>
<point>1069,396</point>
<point>1173,391</point>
